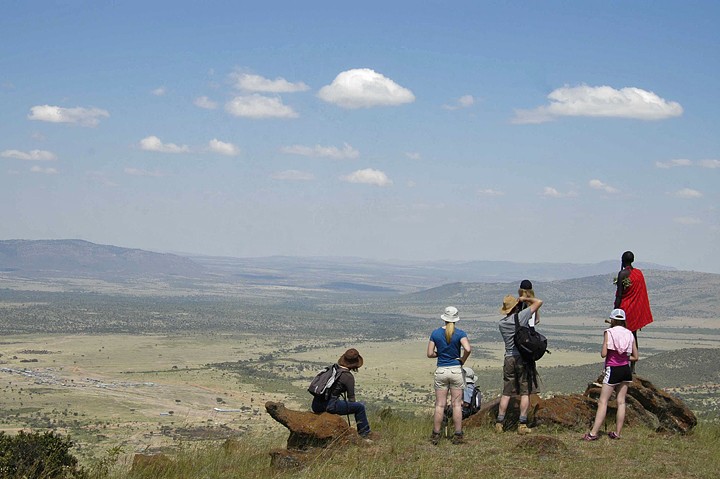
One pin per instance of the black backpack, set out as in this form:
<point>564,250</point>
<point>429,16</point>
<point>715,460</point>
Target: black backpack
<point>531,344</point>
<point>323,382</point>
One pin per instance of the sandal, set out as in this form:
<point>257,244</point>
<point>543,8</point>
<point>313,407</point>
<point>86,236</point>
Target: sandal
<point>590,437</point>
<point>613,435</point>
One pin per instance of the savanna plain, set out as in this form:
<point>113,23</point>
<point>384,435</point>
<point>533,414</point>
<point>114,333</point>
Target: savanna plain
<point>125,369</point>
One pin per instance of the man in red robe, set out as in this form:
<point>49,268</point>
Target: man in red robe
<point>632,297</point>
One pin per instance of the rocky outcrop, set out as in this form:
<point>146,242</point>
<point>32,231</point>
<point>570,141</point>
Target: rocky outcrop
<point>646,405</point>
<point>310,433</point>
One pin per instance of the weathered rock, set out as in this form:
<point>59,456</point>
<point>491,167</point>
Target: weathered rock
<point>150,463</point>
<point>645,403</point>
<point>284,459</point>
<point>308,430</point>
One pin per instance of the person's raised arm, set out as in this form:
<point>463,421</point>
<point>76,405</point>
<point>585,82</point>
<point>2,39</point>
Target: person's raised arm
<point>534,303</point>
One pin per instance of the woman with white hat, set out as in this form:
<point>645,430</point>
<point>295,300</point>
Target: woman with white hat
<point>445,344</point>
<point>618,349</point>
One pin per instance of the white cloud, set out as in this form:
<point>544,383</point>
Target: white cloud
<point>465,101</point>
<point>687,193</point>
<point>709,163</point>
<point>364,88</point>
<point>257,83</point>
<point>160,91</point>
<point>32,155</point>
<point>413,155</point>
<point>673,163</point>
<point>346,152</point>
<point>687,220</point>
<point>56,114</point>
<point>45,171</point>
<point>153,143</point>
<point>368,176</point>
<point>602,101</point>
<point>259,106</point>
<point>205,102</point>
<point>599,185</point>
<point>292,175</point>
<point>227,149</point>
<point>100,178</point>
<point>141,172</point>
<point>550,192</point>
<point>490,192</point>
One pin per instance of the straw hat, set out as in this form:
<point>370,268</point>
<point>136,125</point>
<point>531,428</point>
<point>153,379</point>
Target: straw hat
<point>509,302</point>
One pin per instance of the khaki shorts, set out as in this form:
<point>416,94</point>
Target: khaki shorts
<point>513,376</point>
<point>449,377</point>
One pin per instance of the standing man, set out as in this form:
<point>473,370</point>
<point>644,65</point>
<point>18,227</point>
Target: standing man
<point>515,374</point>
<point>632,297</point>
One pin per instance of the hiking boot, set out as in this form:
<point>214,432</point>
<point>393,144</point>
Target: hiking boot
<point>613,435</point>
<point>590,437</point>
<point>524,429</point>
<point>498,427</point>
<point>435,438</point>
<point>458,438</point>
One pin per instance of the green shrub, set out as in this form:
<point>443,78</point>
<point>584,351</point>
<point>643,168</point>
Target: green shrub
<point>38,456</point>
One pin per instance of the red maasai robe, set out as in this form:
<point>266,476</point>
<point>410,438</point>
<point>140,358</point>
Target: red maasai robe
<point>635,302</point>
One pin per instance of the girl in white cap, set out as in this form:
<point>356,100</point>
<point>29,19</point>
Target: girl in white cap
<point>618,349</point>
<point>445,345</point>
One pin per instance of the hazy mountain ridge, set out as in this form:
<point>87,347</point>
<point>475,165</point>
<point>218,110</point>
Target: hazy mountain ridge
<point>83,258</point>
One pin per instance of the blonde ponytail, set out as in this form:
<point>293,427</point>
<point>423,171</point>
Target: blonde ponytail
<point>449,330</point>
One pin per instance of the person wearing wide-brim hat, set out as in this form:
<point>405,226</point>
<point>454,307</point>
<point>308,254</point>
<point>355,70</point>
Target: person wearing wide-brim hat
<point>515,377</point>
<point>445,344</point>
<point>351,360</point>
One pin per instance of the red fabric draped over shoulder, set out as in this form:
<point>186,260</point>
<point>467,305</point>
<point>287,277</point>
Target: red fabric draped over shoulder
<point>635,302</point>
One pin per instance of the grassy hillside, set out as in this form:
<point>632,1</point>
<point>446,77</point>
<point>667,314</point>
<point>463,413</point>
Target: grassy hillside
<point>403,451</point>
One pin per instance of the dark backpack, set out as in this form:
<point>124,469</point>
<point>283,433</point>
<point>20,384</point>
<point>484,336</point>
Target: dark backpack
<point>323,382</point>
<point>531,344</point>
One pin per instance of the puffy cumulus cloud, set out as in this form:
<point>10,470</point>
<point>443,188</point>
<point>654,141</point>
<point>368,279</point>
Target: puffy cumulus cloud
<point>292,175</point>
<point>673,163</point>
<point>79,115</point>
<point>153,143</point>
<point>490,192</point>
<point>160,91</point>
<point>318,151</point>
<point>550,192</point>
<point>205,102</point>
<point>223,148</point>
<point>32,155</point>
<point>465,101</point>
<point>368,176</point>
<point>687,193</point>
<point>687,220</point>
<point>44,171</point>
<point>257,83</point>
<point>601,101</point>
<point>258,106</point>
<point>141,172</point>
<point>599,185</point>
<point>364,88</point>
<point>709,163</point>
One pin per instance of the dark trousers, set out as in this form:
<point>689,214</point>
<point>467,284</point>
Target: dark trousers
<point>342,408</point>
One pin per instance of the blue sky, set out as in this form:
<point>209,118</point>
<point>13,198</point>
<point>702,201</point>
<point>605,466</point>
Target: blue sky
<point>526,131</point>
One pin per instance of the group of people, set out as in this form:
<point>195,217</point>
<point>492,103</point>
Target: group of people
<point>450,346</point>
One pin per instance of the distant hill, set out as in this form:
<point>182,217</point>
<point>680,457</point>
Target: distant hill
<point>672,293</point>
<point>40,258</point>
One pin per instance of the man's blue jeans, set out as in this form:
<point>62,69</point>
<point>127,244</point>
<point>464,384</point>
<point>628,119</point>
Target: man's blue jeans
<point>341,407</point>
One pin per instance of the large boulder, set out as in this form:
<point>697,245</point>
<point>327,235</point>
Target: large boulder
<point>309,430</point>
<point>646,405</point>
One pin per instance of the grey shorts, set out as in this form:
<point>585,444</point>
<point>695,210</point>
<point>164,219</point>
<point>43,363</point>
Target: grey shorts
<point>449,377</point>
<point>515,378</point>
